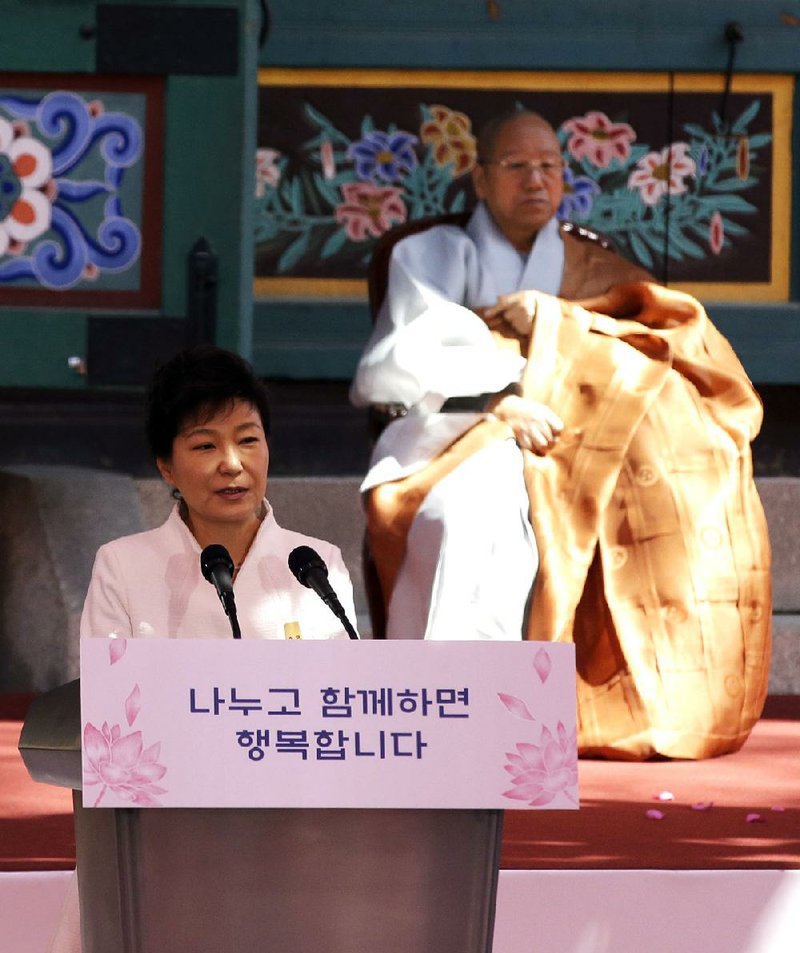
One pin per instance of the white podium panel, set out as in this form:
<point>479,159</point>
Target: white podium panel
<point>301,797</point>
<point>196,723</point>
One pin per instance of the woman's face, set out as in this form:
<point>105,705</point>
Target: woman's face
<point>220,466</point>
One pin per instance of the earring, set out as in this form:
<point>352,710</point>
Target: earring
<point>175,493</point>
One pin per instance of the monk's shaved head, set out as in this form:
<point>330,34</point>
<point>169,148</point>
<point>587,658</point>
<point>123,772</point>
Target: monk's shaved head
<point>487,136</point>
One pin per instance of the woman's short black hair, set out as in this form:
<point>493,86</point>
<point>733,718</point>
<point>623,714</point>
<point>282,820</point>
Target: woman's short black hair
<point>196,384</point>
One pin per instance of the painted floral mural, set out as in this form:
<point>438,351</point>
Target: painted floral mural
<point>677,200</point>
<point>69,212</point>
<point>347,193</point>
<point>321,205</point>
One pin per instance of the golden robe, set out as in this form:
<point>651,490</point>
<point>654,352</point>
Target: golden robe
<point>654,556</point>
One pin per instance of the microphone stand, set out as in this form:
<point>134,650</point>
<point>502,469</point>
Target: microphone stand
<point>332,602</point>
<point>230,611</point>
<point>342,617</point>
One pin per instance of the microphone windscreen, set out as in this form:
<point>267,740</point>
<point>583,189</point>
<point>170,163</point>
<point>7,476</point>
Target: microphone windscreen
<point>304,560</point>
<point>214,556</point>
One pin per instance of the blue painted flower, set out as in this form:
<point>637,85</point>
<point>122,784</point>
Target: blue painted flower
<point>579,192</point>
<point>383,156</point>
<point>702,161</point>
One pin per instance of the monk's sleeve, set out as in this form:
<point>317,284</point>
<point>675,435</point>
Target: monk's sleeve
<point>426,346</point>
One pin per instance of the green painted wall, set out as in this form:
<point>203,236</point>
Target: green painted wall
<point>210,143</point>
<point>207,164</point>
<point>535,34</point>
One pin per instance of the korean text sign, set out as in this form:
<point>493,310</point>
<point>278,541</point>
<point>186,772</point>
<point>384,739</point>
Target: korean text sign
<point>405,724</point>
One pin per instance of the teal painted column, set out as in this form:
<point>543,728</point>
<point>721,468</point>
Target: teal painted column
<point>207,163</point>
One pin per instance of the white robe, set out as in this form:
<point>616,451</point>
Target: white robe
<point>149,585</point>
<point>471,555</point>
<point>428,345</point>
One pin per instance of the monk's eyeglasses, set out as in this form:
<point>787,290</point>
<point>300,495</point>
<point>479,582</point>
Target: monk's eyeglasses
<point>524,168</point>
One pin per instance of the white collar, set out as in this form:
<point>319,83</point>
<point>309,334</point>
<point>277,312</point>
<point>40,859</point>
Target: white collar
<point>189,543</point>
<point>504,270</point>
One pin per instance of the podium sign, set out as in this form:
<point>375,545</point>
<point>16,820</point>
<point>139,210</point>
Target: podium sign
<point>404,724</point>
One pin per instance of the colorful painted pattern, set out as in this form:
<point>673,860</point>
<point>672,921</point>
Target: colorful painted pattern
<point>330,200</point>
<point>347,193</point>
<point>680,199</point>
<point>70,191</point>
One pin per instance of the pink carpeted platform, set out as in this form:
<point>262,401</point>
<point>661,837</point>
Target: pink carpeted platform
<point>36,831</point>
<point>611,831</point>
<point>739,811</point>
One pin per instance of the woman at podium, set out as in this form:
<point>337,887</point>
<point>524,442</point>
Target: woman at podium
<point>207,423</point>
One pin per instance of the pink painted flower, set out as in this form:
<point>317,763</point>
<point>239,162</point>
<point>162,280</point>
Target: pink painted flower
<point>596,138</point>
<point>369,210</point>
<point>716,233</point>
<point>26,193</point>
<point>661,173</point>
<point>268,171</point>
<point>327,159</point>
<point>117,761</point>
<point>540,772</point>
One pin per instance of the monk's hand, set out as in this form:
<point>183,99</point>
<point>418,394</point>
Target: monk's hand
<point>490,317</point>
<point>536,427</point>
<point>516,310</point>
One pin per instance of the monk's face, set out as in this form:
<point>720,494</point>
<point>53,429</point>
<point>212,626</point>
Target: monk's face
<point>522,181</point>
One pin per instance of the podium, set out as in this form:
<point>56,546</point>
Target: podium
<point>181,854</point>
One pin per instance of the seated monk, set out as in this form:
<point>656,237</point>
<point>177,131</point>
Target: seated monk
<point>565,471</point>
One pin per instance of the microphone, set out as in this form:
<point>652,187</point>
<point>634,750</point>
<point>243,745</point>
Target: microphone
<point>216,566</point>
<point>309,569</point>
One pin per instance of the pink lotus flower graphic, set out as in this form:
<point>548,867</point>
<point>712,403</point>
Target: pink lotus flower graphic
<point>540,772</point>
<point>121,763</point>
<point>543,665</point>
